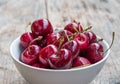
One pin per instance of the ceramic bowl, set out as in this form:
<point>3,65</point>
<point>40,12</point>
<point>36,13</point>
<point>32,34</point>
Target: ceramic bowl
<point>34,75</point>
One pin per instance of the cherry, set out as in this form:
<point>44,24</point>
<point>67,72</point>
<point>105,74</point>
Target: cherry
<point>66,34</point>
<point>43,42</point>
<point>64,49</point>
<point>26,38</point>
<point>61,60</point>
<point>92,36</point>
<point>94,52</point>
<point>73,46</point>
<point>82,40</point>
<point>54,38</point>
<point>39,65</point>
<point>55,57</point>
<point>74,27</point>
<point>30,55</point>
<point>41,27</point>
<point>46,52</point>
<point>80,61</point>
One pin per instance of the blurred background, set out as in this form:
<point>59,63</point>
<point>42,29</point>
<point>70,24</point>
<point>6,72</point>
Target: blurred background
<point>103,15</point>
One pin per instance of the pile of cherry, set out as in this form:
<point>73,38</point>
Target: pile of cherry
<point>66,48</point>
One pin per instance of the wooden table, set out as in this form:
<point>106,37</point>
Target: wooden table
<point>103,15</point>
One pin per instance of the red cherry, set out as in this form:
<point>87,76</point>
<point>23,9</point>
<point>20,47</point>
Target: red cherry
<point>94,52</point>
<point>65,34</point>
<point>41,27</point>
<point>82,40</point>
<point>61,60</point>
<point>43,42</point>
<point>74,27</point>
<point>92,37</point>
<point>26,38</point>
<point>30,55</point>
<point>53,38</point>
<point>39,65</point>
<point>46,52</point>
<point>80,61</point>
<point>73,46</point>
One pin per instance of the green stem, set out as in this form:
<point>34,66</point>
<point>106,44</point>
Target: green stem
<point>101,39</point>
<point>79,27</point>
<point>75,29</point>
<point>61,41</point>
<point>66,35</point>
<point>74,21</point>
<point>38,38</point>
<point>71,36</point>
<point>113,37</point>
<point>87,28</point>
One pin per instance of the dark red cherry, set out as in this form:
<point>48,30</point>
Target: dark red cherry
<point>61,60</point>
<point>46,52</point>
<point>92,36</point>
<point>94,52</point>
<point>39,65</point>
<point>73,46</point>
<point>41,27</point>
<point>74,27</point>
<point>26,38</point>
<point>43,42</point>
<point>80,61</point>
<point>30,55</point>
<point>54,38</point>
<point>82,40</point>
<point>66,34</point>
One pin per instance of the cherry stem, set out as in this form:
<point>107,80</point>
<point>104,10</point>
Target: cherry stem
<point>74,21</point>
<point>29,49</point>
<point>79,27</point>
<point>38,38</point>
<point>46,8</point>
<point>71,36</point>
<point>61,41</point>
<point>87,28</point>
<point>113,37</point>
<point>75,29</point>
<point>67,36</point>
<point>101,39</point>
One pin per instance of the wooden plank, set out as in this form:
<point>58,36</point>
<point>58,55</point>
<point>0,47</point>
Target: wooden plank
<point>14,16</point>
<point>104,16</point>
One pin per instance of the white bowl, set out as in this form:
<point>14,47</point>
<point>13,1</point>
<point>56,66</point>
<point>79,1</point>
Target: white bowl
<point>34,75</point>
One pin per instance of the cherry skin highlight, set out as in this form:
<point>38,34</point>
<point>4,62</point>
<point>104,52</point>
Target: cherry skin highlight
<point>26,38</point>
<point>82,40</point>
<point>30,55</point>
<point>61,60</point>
<point>94,52</point>
<point>74,27</point>
<point>41,27</point>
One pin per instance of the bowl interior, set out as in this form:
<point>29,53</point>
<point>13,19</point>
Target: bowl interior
<point>16,49</point>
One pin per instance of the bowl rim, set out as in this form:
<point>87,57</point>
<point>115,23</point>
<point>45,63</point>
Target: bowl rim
<point>60,70</point>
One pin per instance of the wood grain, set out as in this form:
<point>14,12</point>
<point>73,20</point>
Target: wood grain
<point>14,16</point>
<point>103,15</point>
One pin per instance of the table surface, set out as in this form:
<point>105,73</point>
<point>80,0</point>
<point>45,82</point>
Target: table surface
<point>103,15</point>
